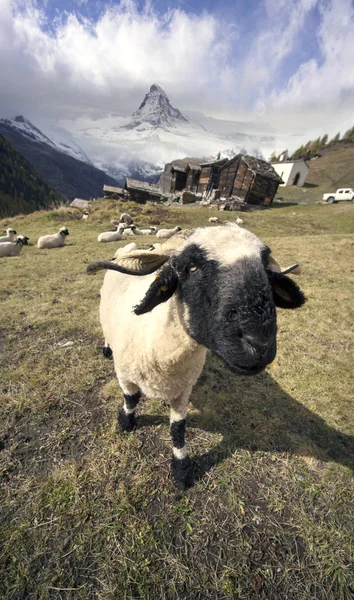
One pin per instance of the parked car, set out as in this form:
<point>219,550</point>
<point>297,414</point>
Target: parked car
<point>341,194</point>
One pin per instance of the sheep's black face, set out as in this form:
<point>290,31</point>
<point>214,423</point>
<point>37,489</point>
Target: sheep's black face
<point>230,310</point>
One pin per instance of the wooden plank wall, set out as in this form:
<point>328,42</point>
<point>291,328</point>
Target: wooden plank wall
<point>227,177</point>
<point>204,179</point>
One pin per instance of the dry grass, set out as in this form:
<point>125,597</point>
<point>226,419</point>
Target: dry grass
<point>88,513</point>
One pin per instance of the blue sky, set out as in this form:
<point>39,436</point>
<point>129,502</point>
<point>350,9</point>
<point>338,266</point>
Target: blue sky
<point>275,65</point>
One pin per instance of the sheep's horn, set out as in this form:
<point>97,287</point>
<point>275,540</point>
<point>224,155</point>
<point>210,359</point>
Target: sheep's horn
<point>98,265</point>
<point>275,267</point>
<point>296,269</point>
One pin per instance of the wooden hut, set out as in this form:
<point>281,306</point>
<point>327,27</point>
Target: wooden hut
<point>209,175</point>
<point>112,192</point>
<point>180,174</point>
<point>249,178</point>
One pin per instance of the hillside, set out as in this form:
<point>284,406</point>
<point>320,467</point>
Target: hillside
<point>22,190</point>
<point>334,169</point>
<point>70,177</point>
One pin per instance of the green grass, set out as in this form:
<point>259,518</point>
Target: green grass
<point>88,513</point>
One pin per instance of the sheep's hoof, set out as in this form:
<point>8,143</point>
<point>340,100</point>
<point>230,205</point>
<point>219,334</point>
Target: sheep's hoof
<point>107,352</point>
<point>182,472</point>
<point>126,422</point>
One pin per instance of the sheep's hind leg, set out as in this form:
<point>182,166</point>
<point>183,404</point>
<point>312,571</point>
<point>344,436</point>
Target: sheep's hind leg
<point>106,350</point>
<point>181,464</point>
<point>126,415</point>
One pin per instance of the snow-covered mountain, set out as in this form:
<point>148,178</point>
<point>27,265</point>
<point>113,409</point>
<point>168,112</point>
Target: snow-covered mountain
<point>157,133</point>
<point>58,140</point>
<point>156,112</point>
<point>64,167</point>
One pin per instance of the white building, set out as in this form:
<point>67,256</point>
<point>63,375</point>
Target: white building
<point>292,172</point>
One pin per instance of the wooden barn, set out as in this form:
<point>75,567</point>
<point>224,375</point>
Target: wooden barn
<point>112,192</point>
<point>180,174</point>
<point>249,178</point>
<point>141,191</point>
<point>209,175</point>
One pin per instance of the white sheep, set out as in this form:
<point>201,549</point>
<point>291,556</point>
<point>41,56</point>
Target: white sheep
<point>167,233</point>
<point>55,240</point>
<point>214,220</point>
<point>112,236</point>
<point>239,221</point>
<point>11,248</point>
<point>150,231</point>
<point>85,215</point>
<point>9,237</point>
<point>216,290</point>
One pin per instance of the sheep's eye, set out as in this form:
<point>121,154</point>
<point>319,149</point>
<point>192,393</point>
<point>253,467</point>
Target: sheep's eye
<point>192,267</point>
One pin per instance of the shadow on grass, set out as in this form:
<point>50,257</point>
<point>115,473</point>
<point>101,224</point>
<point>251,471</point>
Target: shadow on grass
<point>256,414</point>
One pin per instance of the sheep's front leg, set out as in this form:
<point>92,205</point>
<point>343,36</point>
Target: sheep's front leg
<point>181,463</point>
<point>126,416</point>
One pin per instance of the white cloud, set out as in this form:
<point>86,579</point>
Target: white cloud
<point>74,67</point>
<point>320,94</point>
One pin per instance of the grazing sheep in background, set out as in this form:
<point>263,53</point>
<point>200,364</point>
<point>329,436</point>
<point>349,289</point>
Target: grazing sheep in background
<point>23,239</point>
<point>150,231</point>
<point>112,236</point>
<point>214,220</point>
<point>11,248</point>
<point>126,219</point>
<point>55,240</point>
<point>9,237</point>
<point>217,289</point>
<point>167,233</point>
<point>239,221</point>
<point>85,215</point>
<point>129,230</point>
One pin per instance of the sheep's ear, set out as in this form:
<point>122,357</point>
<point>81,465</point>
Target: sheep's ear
<point>161,290</point>
<point>286,292</point>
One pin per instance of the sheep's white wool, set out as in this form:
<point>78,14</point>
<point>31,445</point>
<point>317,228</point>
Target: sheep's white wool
<point>227,244</point>
<point>180,453</point>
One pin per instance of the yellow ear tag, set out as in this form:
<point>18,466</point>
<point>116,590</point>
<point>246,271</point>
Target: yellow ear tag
<point>163,288</point>
<point>192,269</point>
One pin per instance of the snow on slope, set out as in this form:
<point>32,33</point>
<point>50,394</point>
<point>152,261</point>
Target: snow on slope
<point>59,140</point>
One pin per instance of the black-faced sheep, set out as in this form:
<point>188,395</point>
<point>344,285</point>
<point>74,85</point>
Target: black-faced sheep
<point>217,290</point>
<point>23,239</point>
<point>167,233</point>
<point>112,236</point>
<point>9,237</point>
<point>55,240</point>
<point>214,220</point>
<point>11,248</point>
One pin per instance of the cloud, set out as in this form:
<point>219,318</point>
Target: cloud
<point>73,66</point>
<point>105,64</point>
<point>321,92</point>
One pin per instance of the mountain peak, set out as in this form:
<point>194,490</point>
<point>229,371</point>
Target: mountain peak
<point>157,111</point>
<point>157,88</point>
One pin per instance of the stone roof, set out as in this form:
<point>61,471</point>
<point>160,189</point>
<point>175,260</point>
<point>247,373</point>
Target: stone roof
<point>258,166</point>
<point>80,203</point>
<point>113,188</point>
<point>142,186</point>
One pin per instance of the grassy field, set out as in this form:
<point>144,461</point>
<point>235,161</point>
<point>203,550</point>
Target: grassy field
<point>335,169</point>
<point>89,513</point>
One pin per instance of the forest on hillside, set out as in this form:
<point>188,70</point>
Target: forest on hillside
<point>314,147</point>
<point>22,190</point>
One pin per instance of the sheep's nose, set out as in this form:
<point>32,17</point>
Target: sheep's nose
<point>256,346</point>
